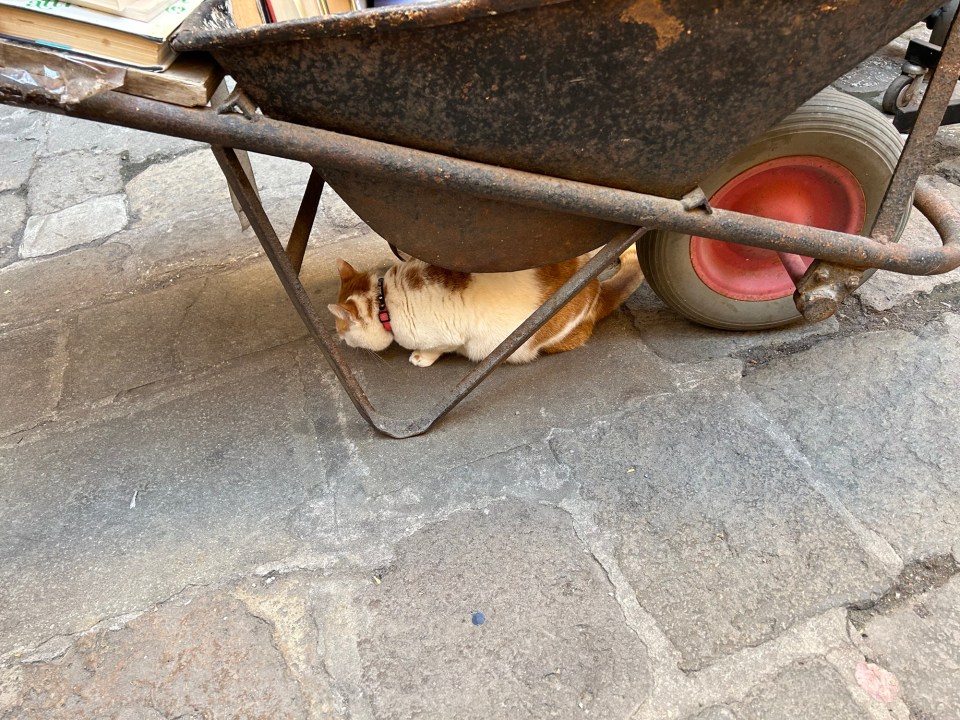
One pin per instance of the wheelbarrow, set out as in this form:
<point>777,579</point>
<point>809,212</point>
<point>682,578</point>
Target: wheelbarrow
<point>498,135</point>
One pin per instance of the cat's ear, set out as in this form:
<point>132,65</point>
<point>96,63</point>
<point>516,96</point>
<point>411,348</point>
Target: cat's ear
<point>346,270</point>
<point>342,312</point>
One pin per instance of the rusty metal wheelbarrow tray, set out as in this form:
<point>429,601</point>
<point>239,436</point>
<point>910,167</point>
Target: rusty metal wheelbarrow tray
<point>641,95</point>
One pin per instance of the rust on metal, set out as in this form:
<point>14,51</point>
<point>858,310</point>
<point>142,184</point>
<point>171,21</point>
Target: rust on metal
<point>651,12</point>
<point>331,151</point>
<point>489,135</point>
<point>915,155</point>
<point>934,204</point>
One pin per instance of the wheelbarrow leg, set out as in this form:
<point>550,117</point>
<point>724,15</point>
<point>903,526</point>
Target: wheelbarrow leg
<point>331,347</point>
<point>825,285</point>
<point>300,235</point>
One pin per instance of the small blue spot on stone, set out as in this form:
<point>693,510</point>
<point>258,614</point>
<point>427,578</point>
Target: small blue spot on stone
<point>478,618</point>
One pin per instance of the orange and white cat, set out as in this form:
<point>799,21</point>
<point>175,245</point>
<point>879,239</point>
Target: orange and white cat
<point>433,311</point>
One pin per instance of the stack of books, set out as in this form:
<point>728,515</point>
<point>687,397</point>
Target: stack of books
<point>136,33</point>
<point>129,32</point>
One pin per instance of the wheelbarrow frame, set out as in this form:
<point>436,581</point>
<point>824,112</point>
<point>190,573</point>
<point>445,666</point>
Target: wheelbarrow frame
<point>235,125</point>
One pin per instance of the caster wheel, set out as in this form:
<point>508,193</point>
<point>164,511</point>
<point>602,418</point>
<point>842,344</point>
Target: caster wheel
<point>899,94</point>
<point>827,165</point>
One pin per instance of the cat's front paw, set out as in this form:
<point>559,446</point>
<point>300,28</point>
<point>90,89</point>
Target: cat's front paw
<point>424,358</point>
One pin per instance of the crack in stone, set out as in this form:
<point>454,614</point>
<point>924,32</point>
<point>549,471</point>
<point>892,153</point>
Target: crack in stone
<point>22,432</point>
<point>915,579</point>
<point>871,541</point>
<point>324,666</point>
<point>310,695</point>
<point>178,363</point>
<point>113,624</point>
<point>455,469</point>
<point>24,187</point>
<point>302,375</point>
<point>272,629</point>
<point>640,622</point>
<point>62,358</point>
<point>12,252</point>
<point>130,170</point>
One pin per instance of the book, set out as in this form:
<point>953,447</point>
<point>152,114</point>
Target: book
<point>247,13</point>
<point>143,10</point>
<point>190,81</point>
<point>279,10</point>
<point>88,32</point>
<point>284,10</point>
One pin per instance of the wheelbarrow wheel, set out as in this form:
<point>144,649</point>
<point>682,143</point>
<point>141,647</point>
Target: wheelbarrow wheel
<point>826,165</point>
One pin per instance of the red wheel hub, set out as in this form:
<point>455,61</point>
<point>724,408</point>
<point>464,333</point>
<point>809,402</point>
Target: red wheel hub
<point>802,189</point>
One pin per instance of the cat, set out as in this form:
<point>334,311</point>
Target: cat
<point>433,311</point>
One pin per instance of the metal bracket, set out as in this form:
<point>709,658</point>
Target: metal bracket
<point>822,288</point>
<point>696,199</point>
<point>238,102</point>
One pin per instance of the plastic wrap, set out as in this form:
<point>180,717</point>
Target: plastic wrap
<point>50,78</point>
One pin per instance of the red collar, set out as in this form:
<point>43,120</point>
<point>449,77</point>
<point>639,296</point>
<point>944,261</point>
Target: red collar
<point>384,315</point>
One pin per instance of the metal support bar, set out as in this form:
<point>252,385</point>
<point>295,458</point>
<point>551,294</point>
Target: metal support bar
<point>323,148</point>
<point>939,22</point>
<point>825,284</point>
<point>300,235</point>
<point>794,265</point>
<point>227,158</point>
<point>904,119</point>
<point>915,153</point>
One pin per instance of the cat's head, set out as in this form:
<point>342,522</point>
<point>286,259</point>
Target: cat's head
<point>357,310</point>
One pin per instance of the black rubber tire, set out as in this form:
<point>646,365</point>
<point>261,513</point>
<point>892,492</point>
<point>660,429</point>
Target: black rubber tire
<point>831,125</point>
<point>894,96</point>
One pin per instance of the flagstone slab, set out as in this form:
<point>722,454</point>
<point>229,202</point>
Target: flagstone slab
<point>875,416</point>
<point>498,613</point>
<point>77,225</point>
<point>713,523</point>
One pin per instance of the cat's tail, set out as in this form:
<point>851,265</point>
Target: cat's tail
<point>615,290</point>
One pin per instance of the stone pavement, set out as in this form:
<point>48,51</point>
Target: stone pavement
<point>671,522</point>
